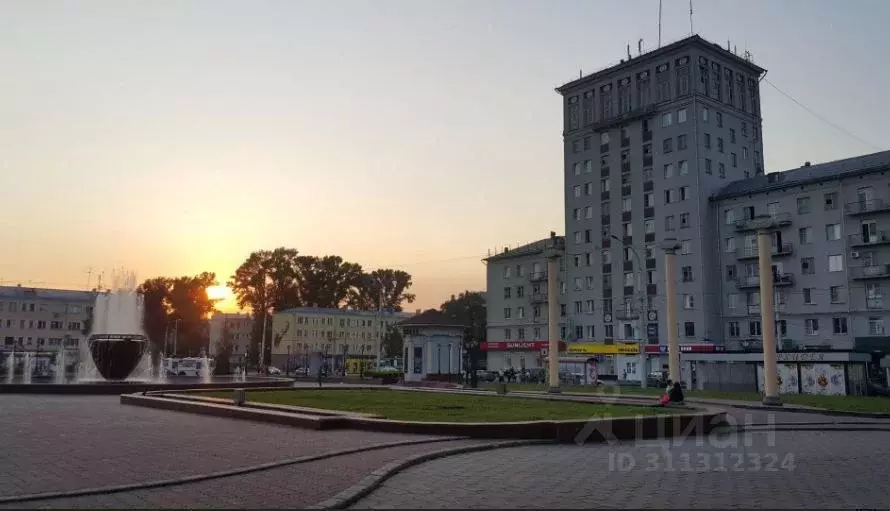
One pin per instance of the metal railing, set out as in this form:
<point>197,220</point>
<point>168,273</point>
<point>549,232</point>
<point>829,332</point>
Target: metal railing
<point>864,206</point>
<point>776,250</point>
<point>764,222</point>
<point>877,238</point>
<point>873,271</point>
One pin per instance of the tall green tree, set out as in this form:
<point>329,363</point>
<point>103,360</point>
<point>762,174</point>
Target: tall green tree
<point>393,343</point>
<point>383,288</point>
<point>190,305</point>
<point>327,281</point>
<point>469,309</point>
<point>156,309</point>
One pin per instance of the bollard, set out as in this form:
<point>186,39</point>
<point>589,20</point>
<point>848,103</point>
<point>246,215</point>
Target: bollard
<point>239,397</point>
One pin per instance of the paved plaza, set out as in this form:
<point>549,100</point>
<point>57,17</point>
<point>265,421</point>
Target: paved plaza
<point>70,443</point>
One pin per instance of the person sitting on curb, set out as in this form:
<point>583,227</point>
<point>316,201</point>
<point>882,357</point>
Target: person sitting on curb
<point>665,398</point>
<point>676,393</point>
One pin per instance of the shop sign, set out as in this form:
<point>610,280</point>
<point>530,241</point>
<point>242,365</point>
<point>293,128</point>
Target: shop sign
<point>583,348</point>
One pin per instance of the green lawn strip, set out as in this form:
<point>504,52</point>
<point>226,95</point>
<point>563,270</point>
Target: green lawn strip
<point>435,407</point>
<point>833,403</point>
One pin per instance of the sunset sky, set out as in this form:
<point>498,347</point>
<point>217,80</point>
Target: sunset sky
<point>174,137</point>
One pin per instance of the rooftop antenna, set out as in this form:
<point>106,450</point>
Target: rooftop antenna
<point>89,276</point>
<point>691,31</point>
<point>640,46</point>
<point>727,45</point>
<point>659,23</point>
<point>628,51</point>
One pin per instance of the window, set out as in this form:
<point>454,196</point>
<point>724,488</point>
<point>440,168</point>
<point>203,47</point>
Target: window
<point>689,329</point>
<point>520,334</point>
<point>577,190</point>
<point>704,114</point>
<point>685,247</point>
<point>605,186</point>
<point>733,160</point>
<point>626,204</point>
<point>587,237</point>
<point>578,168</point>
<point>577,261</point>
<point>628,279</point>
<point>806,235</point>
<point>649,200</point>
<point>836,263</point>
<point>730,272</point>
<point>744,153</point>
<point>807,265</point>
<point>586,143</point>
<point>669,223</point>
<point>707,140</point>
<point>721,169</point>
<point>876,326</point>
<point>562,309</point>
<point>588,188</point>
<point>649,226</point>
<point>719,119</point>
<point>734,330</point>
<point>684,220</point>
<point>670,196</point>
<point>839,325</point>
<point>669,170</point>
<point>708,169</point>
<point>506,293</point>
<point>607,256</point>
<point>650,277</point>
<point>681,142</point>
<point>830,201</point>
<point>578,237</point>
<point>729,217</point>
<point>508,334</point>
<point>588,212</point>
<point>684,167</point>
<point>609,331</point>
<point>577,213</point>
<point>520,312</point>
<point>668,145</point>
<point>507,270</point>
<point>684,193</point>
<point>576,145</point>
<point>755,329</point>
<point>687,274</point>
<point>520,291</point>
<point>628,229</point>
<point>837,294</point>
<point>681,115</point>
<point>667,119</point>
<point>578,307</point>
<point>729,245</point>
<point>731,136</point>
<point>811,326</point>
<point>604,138</point>
<point>808,296</point>
<point>507,313</point>
<point>720,144</point>
<point>832,232</point>
<point>589,281</point>
<point>688,301</point>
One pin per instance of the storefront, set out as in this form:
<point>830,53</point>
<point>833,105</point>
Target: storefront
<point>503,355</point>
<point>589,361</point>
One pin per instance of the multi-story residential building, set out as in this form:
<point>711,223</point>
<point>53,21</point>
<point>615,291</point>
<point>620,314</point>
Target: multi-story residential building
<point>237,327</point>
<point>516,304</point>
<point>36,319</point>
<point>830,228</point>
<point>334,335</point>
<point>647,142</point>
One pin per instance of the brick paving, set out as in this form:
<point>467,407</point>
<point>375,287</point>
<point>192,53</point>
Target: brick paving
<point>63,443</point>
<point>830,469</point>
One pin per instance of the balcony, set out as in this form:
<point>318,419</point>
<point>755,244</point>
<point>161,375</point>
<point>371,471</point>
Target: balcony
<point>754,309</point>
<point>878,238</point>
<point>537,276</point>
<point>647,161</point>
<point>648,186</point>
<point>776,221</point>
<point>781,280</point>
<point>625,166</point>
<point>538,298</point>
<point>875,271</point>
<point>627,315</point>
<point>786,249</point>
<point>867,206</point>
<point>627,117</point>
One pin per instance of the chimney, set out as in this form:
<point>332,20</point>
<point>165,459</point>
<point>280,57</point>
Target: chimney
<point>806,164</point>
<point>552,234</point>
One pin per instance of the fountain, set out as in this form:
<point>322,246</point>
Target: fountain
<point>206,375</point>
<point>59,376</point>
<point>116,345</point>
<point>27,367</point>
<point>10,367</point>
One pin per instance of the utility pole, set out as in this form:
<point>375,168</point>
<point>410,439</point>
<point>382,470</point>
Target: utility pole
<point>175,336</point>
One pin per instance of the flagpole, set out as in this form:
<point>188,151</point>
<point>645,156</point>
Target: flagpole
<point>691,31</point>
<point>659,23</point>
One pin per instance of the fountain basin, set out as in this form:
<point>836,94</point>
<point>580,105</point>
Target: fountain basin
<point>116,355</point>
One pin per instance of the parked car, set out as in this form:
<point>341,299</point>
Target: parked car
<point>273,371</point>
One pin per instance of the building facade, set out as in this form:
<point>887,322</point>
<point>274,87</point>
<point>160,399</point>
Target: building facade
<point>36,319</point>
<point>311,336</point>
<point>516,304</point>
<point>646,143</point>
<point>830,249</point>
<point>433,347</point>
<point>237,327</point>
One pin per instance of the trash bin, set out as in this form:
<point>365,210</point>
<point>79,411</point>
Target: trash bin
<point>500,387</point>
<point>239,397</point>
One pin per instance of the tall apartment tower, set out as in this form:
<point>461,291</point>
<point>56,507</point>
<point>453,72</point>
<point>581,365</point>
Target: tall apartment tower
<point>647,142</point>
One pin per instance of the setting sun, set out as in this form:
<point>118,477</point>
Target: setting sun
<point>219,292</point>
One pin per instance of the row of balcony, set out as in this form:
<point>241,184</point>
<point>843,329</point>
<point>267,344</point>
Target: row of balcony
<point>871,239</point>
<point>785,249</point>
<point>866,207</point>
<point>779,280</point>
<point>768,222</point>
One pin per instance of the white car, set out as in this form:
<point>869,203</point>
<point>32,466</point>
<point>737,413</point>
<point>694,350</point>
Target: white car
<point>274,371</point>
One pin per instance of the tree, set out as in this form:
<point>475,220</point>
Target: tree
<point>156,308</point>
<point>327,281</point>
<point>224,351</point>
<point>469,309</point>
<point>393,343</point>
<point>383,288</point>
<point>190,305</point>
<point>266,281</point>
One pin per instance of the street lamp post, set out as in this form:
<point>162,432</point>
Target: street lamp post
<point>641,312</point>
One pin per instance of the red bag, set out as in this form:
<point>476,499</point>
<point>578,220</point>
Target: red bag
<point>664,399</point>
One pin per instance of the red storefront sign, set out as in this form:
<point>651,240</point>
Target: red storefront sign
<point>518,346</point>
<point>684,348</point>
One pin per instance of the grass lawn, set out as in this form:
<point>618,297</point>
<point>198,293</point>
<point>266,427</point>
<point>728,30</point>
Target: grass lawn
<point>432,407</point>
<point>836,403</point>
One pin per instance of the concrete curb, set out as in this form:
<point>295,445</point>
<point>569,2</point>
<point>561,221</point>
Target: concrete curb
<point>213,475</point>
<point>116,388</point>
<point>373,481</point>
<point>594,429</point>
<point>794,409</point>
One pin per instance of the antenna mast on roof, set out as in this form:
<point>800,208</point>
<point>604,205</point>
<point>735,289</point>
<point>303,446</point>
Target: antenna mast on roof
<point>691,32</point>
<point>659,23</point>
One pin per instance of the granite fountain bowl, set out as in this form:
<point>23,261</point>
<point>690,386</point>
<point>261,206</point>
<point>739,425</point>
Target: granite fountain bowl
<point>116,355</point>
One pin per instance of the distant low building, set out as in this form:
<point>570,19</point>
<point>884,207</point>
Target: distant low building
<point>35,319</point>
<point>239,329</point>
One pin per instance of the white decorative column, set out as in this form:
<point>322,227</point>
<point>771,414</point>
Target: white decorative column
<point>553,318</point>
<point>670,276</point>
<point>768,320</point>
